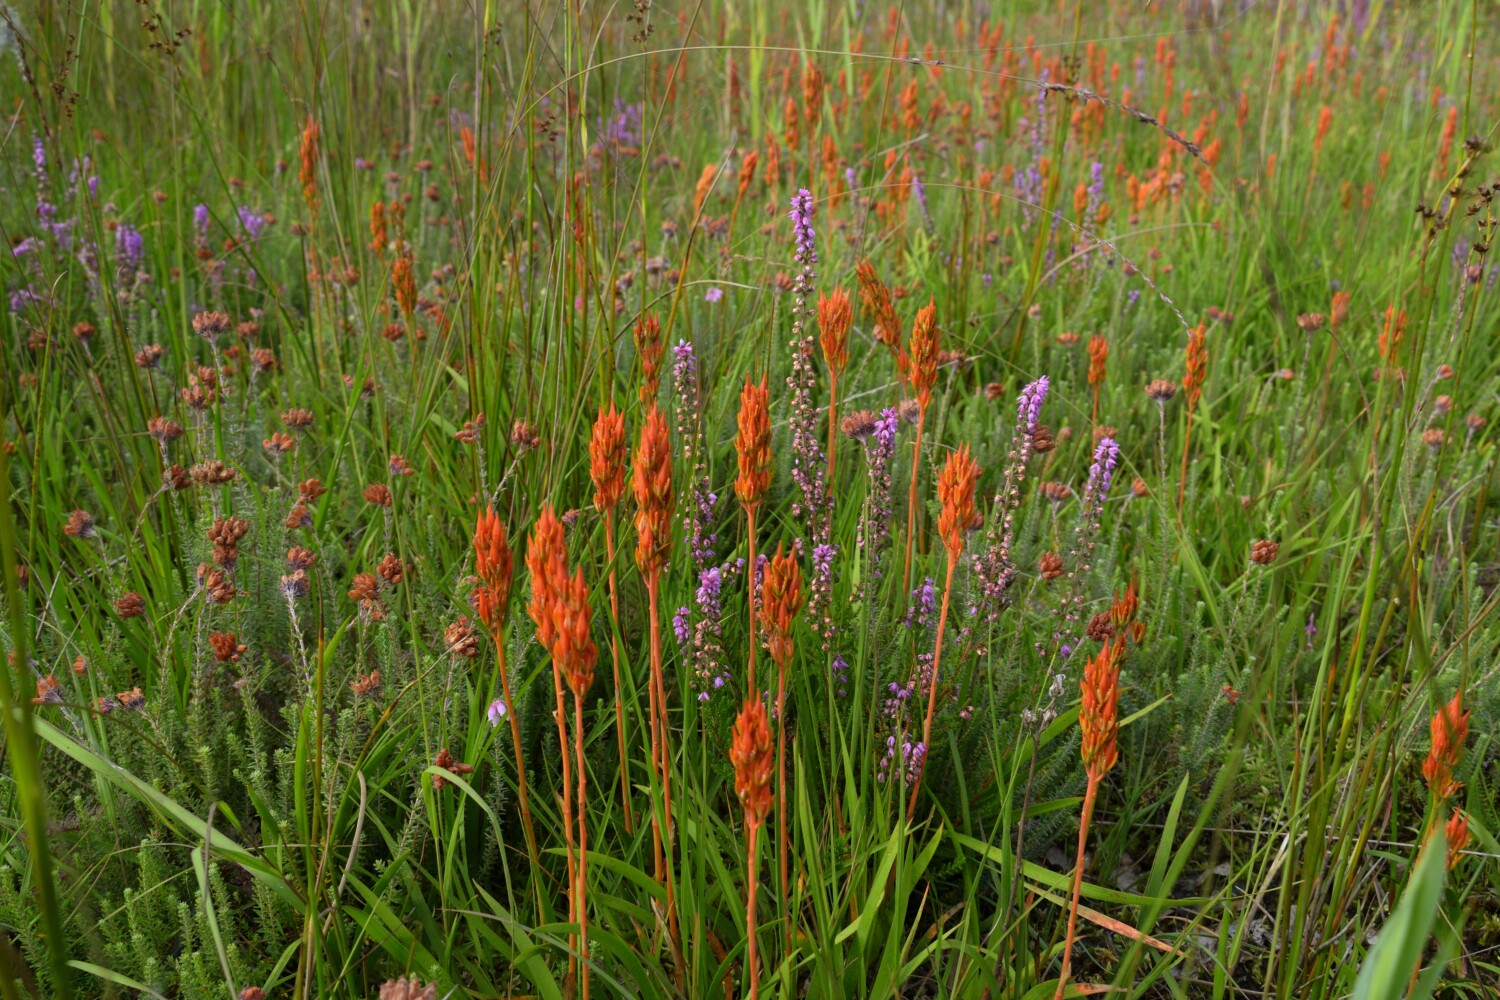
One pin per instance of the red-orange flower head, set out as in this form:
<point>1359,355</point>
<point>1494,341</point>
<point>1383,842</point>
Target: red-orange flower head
<point>835,315</point>
<point>1098,717</point>
<point>1450,728</point>
<point>649,346</point>
<point>573,649</point>
<point>753,443</point>
<point>780,601</point>
<point>1196,364</point>
<point>955,491</point>
<point>1456,832</point>
<point>404,279</point>
<point>1122,611</point>
<point>1098,357</point>
<point>607,458</point>
<point>877,302</point>
<point>652,481</point>
<point>545,555</point>
<point>924,353</point>
<point>493,562</point>
<point>307,168</point>
<point>752,752</point>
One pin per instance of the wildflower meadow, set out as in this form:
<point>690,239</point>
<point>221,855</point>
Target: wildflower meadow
<point>717,498</point>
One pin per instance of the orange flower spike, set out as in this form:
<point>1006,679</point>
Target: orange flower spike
<point>1098,357</point>
<point>1196,365</point>
<point>574,647</point>
<point>607,453</point>
<point>492,556</point>
<point>1450,729</point>
<point>649,346</point>
<point>923,353</point>
<point>781,600</point>
<point>544,563</point>
<point>1097,718</point>
<point>877,302</point>
<point>751,754</point>
<point>1123,610</point>
<point>752,443</point>
<point>1456,832</point>
<point>652,483</point>
<point>307,171</point>
<point>956,493</point>
<point>835,315</point>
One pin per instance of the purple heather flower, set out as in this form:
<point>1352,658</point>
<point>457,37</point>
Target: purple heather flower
<point>496,712</point>
<point>1106,457</point>
<point>253,222</point>
<point>802,228</point>
<point>200,220</point>
<point>129,247</point>
<point>840,670</point>
<point>714,294</point>
<point>681,626</point>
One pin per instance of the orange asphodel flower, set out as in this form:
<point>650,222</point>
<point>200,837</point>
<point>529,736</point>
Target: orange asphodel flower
<point>1450,728</point>
<point>750,753</point>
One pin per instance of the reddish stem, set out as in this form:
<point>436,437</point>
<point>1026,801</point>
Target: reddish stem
<point>937,656</point>
<point>582,893</point>
<point>911,501</point>
<point>567,808</point>
<point>752,964</point>
<point>614,649</point>
<point>1083,836</point>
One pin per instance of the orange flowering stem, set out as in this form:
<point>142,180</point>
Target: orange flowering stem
<point>1083,835</point>
<point>1187,437</point>
<point>752,964</point>
<point>567,810</point>
<point>782,837</point>
<point>911,501</point>
<point>653,589</point>
<point>515,739</point>
<point>833,440</point>
<point>614,649</point>
<point>581,896</point>
<point>937,656</point>
<point>750,590</point>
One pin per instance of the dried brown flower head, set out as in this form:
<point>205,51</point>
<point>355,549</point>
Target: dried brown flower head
<point>130,605</point>
<point>1161,390</point>
<point>1050,566</point>
<point>460,639</point>
<point>80,524</point>
<point>444,760</point>
<point>227,648</point>
<point>211,325</point>
<point>1263,552</point>
<point>378,494</point>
